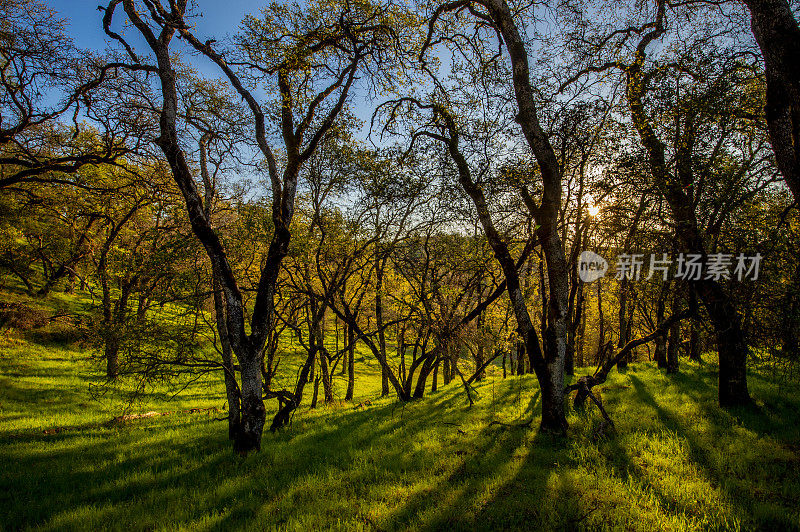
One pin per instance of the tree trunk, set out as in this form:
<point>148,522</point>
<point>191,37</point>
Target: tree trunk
<point>694,341</point>
<point>673,347</point>
<point>112,355</point>
<point>447,374</point>
<point>479,360</point>
<point>254,414</point>
<point>313,378</point>
<point>231,388</point>
<point>622,322</point>
<point>141,309</point>
<point>319,334</point>
<point>549,367</point>
<point>581,332</point>
<point>344,338</point>
<point>733,350</point>
<point>379,320</point>
<point>601,333</point>
<point>351,374</point>
<point>790,328</point>
<point>777,34</point>
<point>479,355</point>
<point>569,361</point>
<point>326,376</point>
<point>661,342</point>
<point>401,353</point>
<point>315,397</point>
<point>290,403</point>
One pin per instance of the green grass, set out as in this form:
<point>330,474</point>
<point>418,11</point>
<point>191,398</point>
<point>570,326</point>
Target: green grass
<point>675,462</point>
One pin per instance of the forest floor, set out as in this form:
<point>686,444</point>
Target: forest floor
<point>676,461</point>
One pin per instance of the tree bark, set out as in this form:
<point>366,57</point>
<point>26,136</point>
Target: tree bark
<point>231,388</point>
<point>479,355</point>
<point>661,342</point>
<point>673,347</point>
<point>601,333</point>
<point>379,318</point>
<point>351,374</point>
<point>318,317</point>
<point>777,33</point>
<point>111,352</point>
<point>622,322</point>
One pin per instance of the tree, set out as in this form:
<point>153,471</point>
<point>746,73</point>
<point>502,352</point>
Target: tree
<point>697,179</point>
<point>548,363</point>
<point>312,69</point>
<point>47,86</point>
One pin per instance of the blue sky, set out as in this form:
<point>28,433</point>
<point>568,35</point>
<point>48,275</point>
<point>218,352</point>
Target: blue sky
<point>219,19</point>
<point>86,27</point>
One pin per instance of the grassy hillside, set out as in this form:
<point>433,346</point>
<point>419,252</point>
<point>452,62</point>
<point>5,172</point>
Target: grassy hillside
<point>676,461</point>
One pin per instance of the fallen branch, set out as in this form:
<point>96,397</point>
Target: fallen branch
<point>585,384</point>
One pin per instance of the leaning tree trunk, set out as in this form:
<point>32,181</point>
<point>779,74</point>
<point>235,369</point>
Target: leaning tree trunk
<point>549,367</point>
<point>428,365</point>
<point>290,402</point>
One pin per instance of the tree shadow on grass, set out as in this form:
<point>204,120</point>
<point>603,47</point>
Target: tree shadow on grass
<point>507,480</point>
<point>746,480</point>
<point>98,469</point>
<point>451,493</point>
<point>430,464</point>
